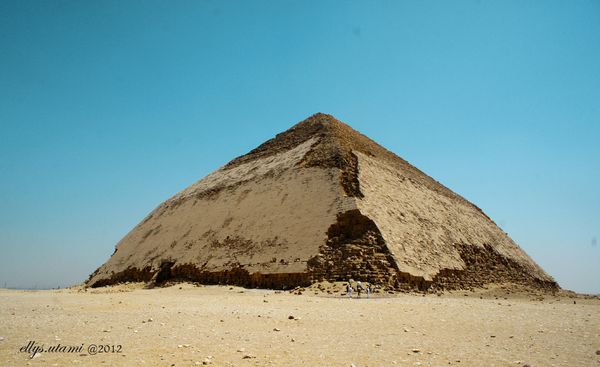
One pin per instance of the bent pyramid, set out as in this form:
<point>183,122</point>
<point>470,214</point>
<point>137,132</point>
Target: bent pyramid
<point>320,201</point>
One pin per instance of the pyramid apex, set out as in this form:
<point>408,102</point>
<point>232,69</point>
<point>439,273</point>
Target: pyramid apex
<point>319,118</point>
<point>324,117</point>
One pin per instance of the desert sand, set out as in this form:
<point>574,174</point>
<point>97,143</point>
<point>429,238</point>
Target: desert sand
<point>187,325</point>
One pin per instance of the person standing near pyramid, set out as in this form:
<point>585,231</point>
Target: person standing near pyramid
<point>359,288</point>
<point>349,289</point>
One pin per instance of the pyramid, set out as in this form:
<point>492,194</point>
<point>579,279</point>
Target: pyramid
<point>318,202</point>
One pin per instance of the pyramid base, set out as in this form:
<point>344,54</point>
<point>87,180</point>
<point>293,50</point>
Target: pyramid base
<point>190,273</point>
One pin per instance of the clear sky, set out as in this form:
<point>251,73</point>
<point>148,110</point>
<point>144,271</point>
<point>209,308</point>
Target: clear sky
<point>107,108</point>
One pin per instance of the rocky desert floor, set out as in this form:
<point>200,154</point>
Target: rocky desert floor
<point>187,325</point>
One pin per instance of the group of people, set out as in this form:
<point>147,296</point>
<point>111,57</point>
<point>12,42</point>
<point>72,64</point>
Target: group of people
<point>368,288</point>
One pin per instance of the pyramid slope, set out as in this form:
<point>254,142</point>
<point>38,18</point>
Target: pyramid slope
<point>429,234</point>
<point>263,216</point>
<point>320,201</point>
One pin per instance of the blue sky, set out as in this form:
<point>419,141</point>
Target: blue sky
<point>107,108</point>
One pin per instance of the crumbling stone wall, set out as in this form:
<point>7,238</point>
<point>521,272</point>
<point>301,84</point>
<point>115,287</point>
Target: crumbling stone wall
<point>168,273</point>
<point>354,249</point>
<point>484,265</point>
<point>132,274</point>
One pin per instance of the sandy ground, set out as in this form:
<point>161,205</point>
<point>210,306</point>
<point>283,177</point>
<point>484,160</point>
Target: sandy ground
<point>185,325</point>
